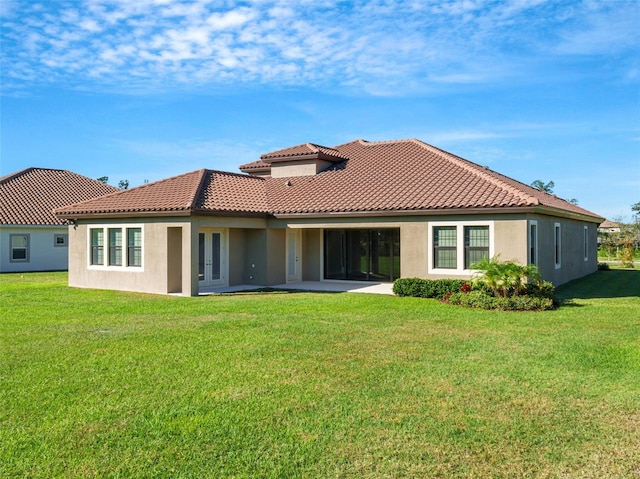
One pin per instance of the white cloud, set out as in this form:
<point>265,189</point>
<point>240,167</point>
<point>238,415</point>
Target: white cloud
<point>385,47</point>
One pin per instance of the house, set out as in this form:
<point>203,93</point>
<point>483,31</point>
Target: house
<point>361,211</point>
<point>32,238</point>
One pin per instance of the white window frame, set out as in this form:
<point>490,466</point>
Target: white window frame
<point>533,246</point>
<point>459,270</point>
<point>557,245</point>
<point>27,258</point>
<point>125,227</point>
<point>585,236</point>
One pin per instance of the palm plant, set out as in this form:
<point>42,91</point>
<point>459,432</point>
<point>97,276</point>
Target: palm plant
<point>505,278</point>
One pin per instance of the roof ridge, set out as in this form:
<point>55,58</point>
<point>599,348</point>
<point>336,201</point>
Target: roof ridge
<point>233,173</point>
<point>198,191</point>
<point>383,142</point>
<point>480,171</point>
<point>24,171</point>
<point>139,187</point>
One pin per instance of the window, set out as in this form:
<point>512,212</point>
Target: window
<point>134,247</point>
<point>557,245</point>
<point>444,247</point>
<point>60,240</point>
<point>533,242</point>
<point>362,254</point>
<point>115,246</point>
<point>123,246</point>
<point>19,246</point>
<point>97,246</point>
<point>586,243</point>
<point>454,246</point>
<point>476,244</point>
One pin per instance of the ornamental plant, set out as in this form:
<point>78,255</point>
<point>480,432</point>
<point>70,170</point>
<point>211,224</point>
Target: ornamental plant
<point>505,278</point>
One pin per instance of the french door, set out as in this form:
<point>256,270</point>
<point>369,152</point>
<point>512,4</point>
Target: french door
<point>212,258</point>
<point>294,252</point>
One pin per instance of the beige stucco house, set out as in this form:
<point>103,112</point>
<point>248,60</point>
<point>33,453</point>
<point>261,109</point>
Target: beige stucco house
<point>32,238</point>
<point>361,211</point>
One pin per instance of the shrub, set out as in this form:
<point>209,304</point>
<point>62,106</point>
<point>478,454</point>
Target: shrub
<point>426,288</point>
<point>482,300</point>
<point>505,278</point>
<point>543,289</point>
<point>604,266</point>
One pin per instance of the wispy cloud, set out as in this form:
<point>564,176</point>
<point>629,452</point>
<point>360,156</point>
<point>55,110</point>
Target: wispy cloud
<point>383,47</point>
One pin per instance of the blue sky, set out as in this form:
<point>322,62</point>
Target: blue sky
<point>142,90</point>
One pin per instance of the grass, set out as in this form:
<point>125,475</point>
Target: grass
<point>112,384</point>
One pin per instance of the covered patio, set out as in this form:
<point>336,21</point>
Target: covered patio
<point>320,286</point>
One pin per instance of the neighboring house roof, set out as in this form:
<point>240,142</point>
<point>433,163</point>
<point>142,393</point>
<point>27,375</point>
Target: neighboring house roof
<point>609,224</point>
<point>29,196</point>
<point>205,191</point>
<point>365,177</point>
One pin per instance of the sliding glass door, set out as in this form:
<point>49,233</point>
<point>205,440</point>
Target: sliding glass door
<point>362,254</point>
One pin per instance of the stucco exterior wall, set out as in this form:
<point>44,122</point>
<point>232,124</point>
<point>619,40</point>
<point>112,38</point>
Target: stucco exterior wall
<point>298,168</point>
<point>152,277</point>
<point>572,259</point>
<point>276,256</point>
<point>257,249</point>
<point>510,239</point>
<point>44,255</point>
<point>312,254</point>
<point>255,257</point>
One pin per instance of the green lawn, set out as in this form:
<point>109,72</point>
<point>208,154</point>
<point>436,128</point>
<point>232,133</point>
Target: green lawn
<point>108,384</point>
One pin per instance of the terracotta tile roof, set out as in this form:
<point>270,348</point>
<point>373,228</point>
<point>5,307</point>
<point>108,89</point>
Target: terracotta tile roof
<point>201,190</point>
<point>29,196</point>
<point>302,151</point>
<point>403,175</point>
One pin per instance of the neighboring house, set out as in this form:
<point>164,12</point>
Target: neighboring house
<point>361,211</point>
<point>32,238</point>
<point>607,227</point>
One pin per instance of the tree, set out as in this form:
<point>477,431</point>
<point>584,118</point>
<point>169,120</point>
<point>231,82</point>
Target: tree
<point>636,211</point>
<point>123,184</point>
<point>103,179</point>
<point>542,186</point>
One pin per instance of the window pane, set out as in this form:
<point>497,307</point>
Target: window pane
<point>115,246</point>
<point>97,246</point>
<point>533,241</point>
<point>557,249</point>
<point>362,254</point>
<point>476,244</point>
<point>19,241</point>
<point>477,236</point>
<point>444,247</point>
<point>201,239</point>
<point>134,247</point>
<point>19,247</point>
<point>335,254</point>
<point>216,253</point>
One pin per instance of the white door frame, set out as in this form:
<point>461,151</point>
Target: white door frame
<point>206,276</point>
<point>294,255</point>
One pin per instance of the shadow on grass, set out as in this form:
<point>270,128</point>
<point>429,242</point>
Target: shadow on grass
<point>618,283</point>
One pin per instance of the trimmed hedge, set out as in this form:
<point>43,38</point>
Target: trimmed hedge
<point>538,297</point>
<point>427,288</point>
<point>480,299</point>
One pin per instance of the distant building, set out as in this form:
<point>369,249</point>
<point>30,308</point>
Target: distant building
<point>32,238</point>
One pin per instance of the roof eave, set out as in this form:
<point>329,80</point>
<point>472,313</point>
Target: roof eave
<point>445,212</point>
<point>123,214</point>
